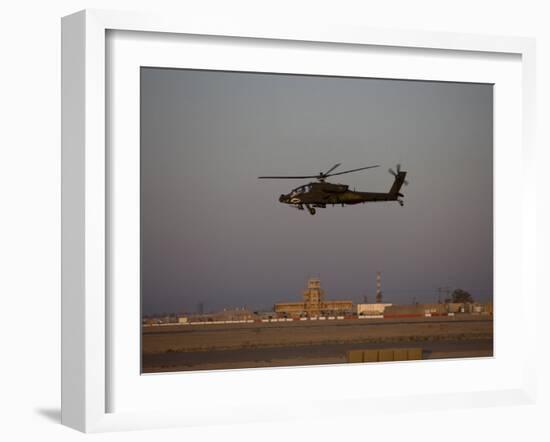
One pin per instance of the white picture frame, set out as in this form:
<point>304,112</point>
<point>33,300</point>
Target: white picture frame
<point>86,316</point>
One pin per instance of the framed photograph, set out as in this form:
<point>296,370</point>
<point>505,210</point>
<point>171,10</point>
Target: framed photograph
<point>252,214</point>
<point>218,252</point>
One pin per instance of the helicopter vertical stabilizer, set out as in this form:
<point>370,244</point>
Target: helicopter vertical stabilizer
<point>399,180</point>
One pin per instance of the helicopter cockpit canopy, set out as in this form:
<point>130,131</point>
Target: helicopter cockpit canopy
<point>299,190</point>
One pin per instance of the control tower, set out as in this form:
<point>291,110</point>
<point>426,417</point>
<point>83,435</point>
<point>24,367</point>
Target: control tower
<point>313,296</point>
<point>314,304</point>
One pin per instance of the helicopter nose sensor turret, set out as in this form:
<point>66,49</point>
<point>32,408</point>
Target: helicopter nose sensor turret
<point>282,198</point>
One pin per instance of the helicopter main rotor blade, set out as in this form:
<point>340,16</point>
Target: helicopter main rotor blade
<point>352,170</point>
<point>331,169</point>
<point>286,177</point>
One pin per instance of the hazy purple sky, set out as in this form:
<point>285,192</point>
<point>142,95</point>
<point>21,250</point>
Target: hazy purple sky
<point>213,233</point>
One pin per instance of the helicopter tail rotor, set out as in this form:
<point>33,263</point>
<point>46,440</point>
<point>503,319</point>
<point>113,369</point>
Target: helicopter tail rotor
<point>396,174</point>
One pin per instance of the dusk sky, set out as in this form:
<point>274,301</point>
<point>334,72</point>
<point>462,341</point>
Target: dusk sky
<point>213,233</point>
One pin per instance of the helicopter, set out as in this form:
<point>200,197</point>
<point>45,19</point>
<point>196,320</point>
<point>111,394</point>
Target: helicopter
<point>322,193</point>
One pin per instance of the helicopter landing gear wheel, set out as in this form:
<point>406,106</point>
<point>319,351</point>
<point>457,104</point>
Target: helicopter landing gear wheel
<point>401,203</point>
<point>312,211</point>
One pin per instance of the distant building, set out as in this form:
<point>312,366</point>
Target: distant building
<point>371,309</point>
<point>313,304</point>
<point>482,308</point>
<point>437,309</point>
<point>455,307</point>
<point>416,309</point>
<point>232,314</point>
<point>265,315</point>
<point>434,308</point>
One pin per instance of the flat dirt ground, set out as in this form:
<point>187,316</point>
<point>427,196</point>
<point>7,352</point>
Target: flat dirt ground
<point>225,346</point>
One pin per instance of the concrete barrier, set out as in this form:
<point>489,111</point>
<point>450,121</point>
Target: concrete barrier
<point>354,356</point>
<point>384,355</point>
<point>370,355</point>
<point>400,354</point>
<point>408,315</point>
<point>414,354</point>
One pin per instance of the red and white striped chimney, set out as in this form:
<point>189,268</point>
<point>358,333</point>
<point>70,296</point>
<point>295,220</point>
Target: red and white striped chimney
<point>378,287</point>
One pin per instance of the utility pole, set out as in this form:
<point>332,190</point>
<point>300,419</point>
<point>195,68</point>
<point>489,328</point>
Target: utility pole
<point>441,290</point>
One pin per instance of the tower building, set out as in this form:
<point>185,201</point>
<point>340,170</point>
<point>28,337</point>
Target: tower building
<point>313,295</point>
<point>378,288</point>
<point>314,303</point>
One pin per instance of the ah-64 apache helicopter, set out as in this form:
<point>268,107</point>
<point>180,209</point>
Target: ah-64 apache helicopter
<point>320,194</point>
